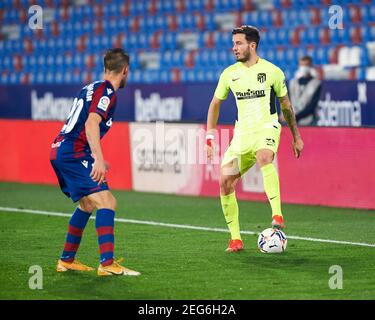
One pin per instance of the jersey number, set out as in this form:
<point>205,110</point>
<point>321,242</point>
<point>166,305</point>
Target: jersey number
<point>73,116</point>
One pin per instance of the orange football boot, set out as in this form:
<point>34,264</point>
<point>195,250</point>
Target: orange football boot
<point>235,245</point>
<point>278,222</point>
<point>75,265</point>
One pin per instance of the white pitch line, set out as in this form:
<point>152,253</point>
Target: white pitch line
<point>181,226</point>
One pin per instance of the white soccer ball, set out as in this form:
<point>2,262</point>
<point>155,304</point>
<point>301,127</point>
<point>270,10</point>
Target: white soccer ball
<point>272,241</point>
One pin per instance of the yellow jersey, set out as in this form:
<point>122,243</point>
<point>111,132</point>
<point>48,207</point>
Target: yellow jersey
<point>255,89</point>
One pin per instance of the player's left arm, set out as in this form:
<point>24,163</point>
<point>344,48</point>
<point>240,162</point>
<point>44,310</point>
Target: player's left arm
<point>290,118</point>
<point>92,127</point>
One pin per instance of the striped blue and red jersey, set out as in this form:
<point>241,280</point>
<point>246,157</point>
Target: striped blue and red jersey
<point>71,142</point>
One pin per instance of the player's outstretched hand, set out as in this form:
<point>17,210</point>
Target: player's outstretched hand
<point>98,171</point>
<point>297,147</point>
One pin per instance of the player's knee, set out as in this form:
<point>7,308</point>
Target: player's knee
<point>89,208</point>
<point>109,202</point>
<point>104,200</point>
<point>86,206</point>
<point>113,203</point>
<point>226,184</point>
<point>264,159</point>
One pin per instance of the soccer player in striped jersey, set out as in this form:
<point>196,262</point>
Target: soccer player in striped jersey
<point>255,83</point>
<point>78,161</point>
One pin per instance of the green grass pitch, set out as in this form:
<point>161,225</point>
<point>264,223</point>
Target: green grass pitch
<point>179,263</point>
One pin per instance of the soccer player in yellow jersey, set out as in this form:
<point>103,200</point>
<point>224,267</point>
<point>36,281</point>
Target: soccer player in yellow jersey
<point>255,84</point>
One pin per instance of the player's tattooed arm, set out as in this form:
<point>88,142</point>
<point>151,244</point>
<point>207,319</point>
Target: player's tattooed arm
<point>289,115</point>
<point>290,118</point>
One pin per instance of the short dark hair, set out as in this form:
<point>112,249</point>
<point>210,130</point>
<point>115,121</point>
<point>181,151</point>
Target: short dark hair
<point>251,33</point>
<point>307,58</point>
<point>115,59</point>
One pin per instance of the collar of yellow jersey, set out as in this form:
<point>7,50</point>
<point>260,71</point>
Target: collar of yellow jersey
<point>247,68</point>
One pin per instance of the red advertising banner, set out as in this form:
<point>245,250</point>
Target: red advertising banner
<point>336,169</point>
<point>25,149</point>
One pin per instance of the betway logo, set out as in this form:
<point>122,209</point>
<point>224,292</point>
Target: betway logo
<point>156,108</point>
<point>49,107</point>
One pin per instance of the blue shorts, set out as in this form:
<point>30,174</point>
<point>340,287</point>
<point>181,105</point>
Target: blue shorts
<point>74,177</point>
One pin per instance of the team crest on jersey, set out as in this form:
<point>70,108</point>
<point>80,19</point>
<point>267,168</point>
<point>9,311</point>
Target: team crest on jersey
<point>104,103</point>
<point>261,77</point>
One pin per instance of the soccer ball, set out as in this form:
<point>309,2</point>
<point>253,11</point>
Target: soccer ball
<point>272,241</point>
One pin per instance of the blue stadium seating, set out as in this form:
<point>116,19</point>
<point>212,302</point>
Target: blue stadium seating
<point>78,33</point>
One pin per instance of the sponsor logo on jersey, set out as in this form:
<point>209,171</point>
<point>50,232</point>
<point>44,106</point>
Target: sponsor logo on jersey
<point>109,91</point>
<point>85,163</point>
<point>90,92</point>
<point>109,122</point>
<point>104,103</point>
<point>250,94</point>
<point>261,77</point>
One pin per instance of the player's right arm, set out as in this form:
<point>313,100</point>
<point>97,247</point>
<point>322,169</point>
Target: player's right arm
<point>212,118</point>
<point>221,93</point>
<point>92,127</point>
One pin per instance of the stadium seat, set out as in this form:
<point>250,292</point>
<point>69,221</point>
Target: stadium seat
<point>288,28</point>
<point>282,35</point>
<point>364,14</point>
<point>291,55</point>
<point>353,56</point>
<point>371,12</point>
<point>355,34</point>
<point>355,14</point>
<point>164,75</point>
<point>276,18</point>
<point>280,57</point>
<point>303,36</point>
<point>335,72</point>
<point>361,74</point>
<point>251,18</point>
<point>272,38</point>
<point>321,55</point>
<point>160,23</point>
<point>188,75</point>
<point>371,32</point>
<point>370,73</point>
<point>364,33</point>
<point>194,5</point>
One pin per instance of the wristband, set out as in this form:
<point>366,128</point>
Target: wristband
<point>209,139</point>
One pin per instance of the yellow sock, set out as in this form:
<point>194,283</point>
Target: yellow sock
<point>272,188</point>
<point>230,210</point>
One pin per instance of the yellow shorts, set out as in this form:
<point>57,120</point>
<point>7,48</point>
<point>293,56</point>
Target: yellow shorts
<point>244,146</point>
